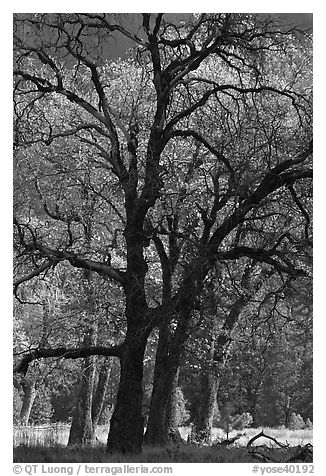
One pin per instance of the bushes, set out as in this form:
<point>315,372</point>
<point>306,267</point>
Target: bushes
<point>308,424</point>
<point>230,421</point>
<point>296,422</point>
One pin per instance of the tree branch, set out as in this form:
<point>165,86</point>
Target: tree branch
<point>261,255</point>
<point>202,140</point>
<point>78,262</point>
<point>35,272</point>
<point>66,353</point>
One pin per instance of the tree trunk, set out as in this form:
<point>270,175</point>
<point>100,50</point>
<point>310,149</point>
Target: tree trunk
<point>99,394</point>
<point>81,430</point>
<point>28,400</point>
<point>172,417</point>
<point>159,424</point>
<point>207,406</point>
<point>209,385</point>
<point>126,425</point>
<point>161,428</point>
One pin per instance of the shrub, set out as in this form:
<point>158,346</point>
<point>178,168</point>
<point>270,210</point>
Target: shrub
<point>242,421</point>
<point>308,424</point>
<point>228,421</point>
<point>296,422</point>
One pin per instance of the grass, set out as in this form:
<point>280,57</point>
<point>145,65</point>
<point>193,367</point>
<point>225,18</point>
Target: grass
<point>51,448</point>
<point>42,435</point>
<point>57,454</point>
<point>283,435</point>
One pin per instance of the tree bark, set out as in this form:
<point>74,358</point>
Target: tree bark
<point>209,385</point>
<point>172,412</point>
<point>99,394</point>
<point>81,430</point>
<point>28,400</point>
<point>207,406</point>
<point>126,425</point>
<point>161,427</point>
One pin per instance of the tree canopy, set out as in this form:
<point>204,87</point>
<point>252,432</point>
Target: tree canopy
<point>187,161</point>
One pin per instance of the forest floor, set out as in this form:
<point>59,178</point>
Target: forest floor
<point>237,453</point>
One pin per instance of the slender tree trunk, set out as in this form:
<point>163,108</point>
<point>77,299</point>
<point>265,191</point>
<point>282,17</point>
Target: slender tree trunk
<point>287,411</point>
<point>81,430</point>
<point>28,400</point>
<point>209,385</point>
<point>253,412</point>
<point>207,406</point>
<point>100,392</point>
<point>172,417</point>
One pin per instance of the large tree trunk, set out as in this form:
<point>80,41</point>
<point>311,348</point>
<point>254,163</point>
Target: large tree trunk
<point>126,425</point>
<point>28,400</point>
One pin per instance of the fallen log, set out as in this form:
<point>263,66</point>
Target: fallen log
<point>263,458</point>
<point>230,441</point>
<point>262,434</point>
<point>303,455</point>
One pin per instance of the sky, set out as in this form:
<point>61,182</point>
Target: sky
<point>118,46</point>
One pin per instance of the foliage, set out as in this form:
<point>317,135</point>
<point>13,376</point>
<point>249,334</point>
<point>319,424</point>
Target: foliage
<point>230,421</point>
<point>182,414</point>
<point>42,409</point>
<point>296,422</point>
<point>309,424</point>
<point>17,403</point>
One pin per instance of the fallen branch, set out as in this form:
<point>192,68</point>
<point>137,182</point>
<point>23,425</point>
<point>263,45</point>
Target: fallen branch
<point>262,434</point>
<point>230,441</point>
<point>303,455</point>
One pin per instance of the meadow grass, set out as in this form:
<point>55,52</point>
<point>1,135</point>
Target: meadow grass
<point>283,435</point>
<point>41,445</point>
<point>58,434</point>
